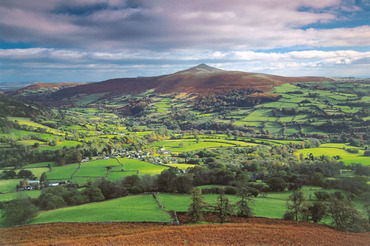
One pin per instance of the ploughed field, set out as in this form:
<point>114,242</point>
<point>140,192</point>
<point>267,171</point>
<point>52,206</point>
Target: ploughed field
<point>254,231</point>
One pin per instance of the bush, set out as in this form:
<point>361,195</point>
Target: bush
<point>136,189</point>
<point>231,190</point>
<point>288,215</point>
<point>18,212</point>
<point>322,195</point>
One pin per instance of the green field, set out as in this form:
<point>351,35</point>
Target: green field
<point>9,185</point>
<point>131,208</point>
<point>273,205</point>
<point>14,195</point>
<point>95,168</point>
<point>41,164</point>
<point>347,157</point>
<point>141,166</point>
<point>63,172</point>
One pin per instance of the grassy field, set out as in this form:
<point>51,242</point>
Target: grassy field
<point>141,166</point>
<point>9,185</point>
<point>13,195</point>
<point>263,207</point>
<point>95,168</point>
<point>131,208</point>
<point>273,205</point>
<point>62,173</point>
<point>41,164</point>
<point>347,157</point>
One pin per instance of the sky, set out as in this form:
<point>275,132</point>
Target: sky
<point>95,40</point>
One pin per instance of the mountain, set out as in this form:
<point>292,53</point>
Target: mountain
<point>201,79</point>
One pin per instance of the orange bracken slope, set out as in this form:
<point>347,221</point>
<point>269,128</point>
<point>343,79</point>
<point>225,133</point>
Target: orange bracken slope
<point>255,231</point>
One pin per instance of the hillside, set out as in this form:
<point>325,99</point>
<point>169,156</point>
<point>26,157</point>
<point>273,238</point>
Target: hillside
<point>11,106</point>
<point>255,231</point>
<point>33,91</point>
<point>200,79</point>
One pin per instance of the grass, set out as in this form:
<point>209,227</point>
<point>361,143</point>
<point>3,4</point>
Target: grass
<point>273,205</point>
<point>263,207</point>
<point>347,157</point>
<point>142,166</point>
<point>181,166</point>
<point>14,195</point>
<point>41,164</point>
<point>37,171</point>
<point>95,168</point>
<point>62,173</point>
<point>132,208</point>
<point>9,185</point>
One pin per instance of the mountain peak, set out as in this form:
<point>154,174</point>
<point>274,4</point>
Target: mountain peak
<point>201,68</point>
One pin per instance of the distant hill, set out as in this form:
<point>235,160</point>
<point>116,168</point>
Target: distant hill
<point>200,79</point>
<point>15,85</point>
<point>11,106</point>
<point>41,89</point>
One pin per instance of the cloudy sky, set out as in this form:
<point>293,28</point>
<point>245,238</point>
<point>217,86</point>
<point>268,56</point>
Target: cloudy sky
<point>94,40</point>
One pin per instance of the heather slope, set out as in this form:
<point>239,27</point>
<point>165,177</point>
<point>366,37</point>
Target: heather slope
<point>200,79</point>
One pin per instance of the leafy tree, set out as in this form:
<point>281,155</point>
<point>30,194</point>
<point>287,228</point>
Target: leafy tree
<point>345,216</point>
<point>223,207</point>
<point>322,195</point>
<point>165,179</point>
<point>130,181</point>
<point>43,177</point>
<point>244,204</point>
<point>94,194</point>
<point>276,184</point>
<point>295,203</point>
<point>109,189</point>
<point>147,182</point>
<point>9,174</point>
<point>318,211</point>
<point>18,211</point>
<point>48,201</point>
<point>183,184</point>
<point>25,174</point>
<point>198,204</point>
<point>318,179</point>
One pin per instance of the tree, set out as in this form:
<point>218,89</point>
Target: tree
<point>276,184</point>
<point>295,203</point>
<point>182,184</point>
<point>198,204</point>
<point>147,182</point>
<point>18,212</point>
<point>108,188</point>
<point>94,194</point>
<point>9,174</point>
<point>48,201</point>
<point>244,204</point>
<point>318,179</point>
<point>165,179</point>
<point>318,211</point>
<point>25,174</point>
<point>345,216</point>
<point>43,177</point>
<point>223,207</point>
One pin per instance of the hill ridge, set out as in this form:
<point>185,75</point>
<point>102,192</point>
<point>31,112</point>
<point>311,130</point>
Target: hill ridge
<point>201,79</point>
